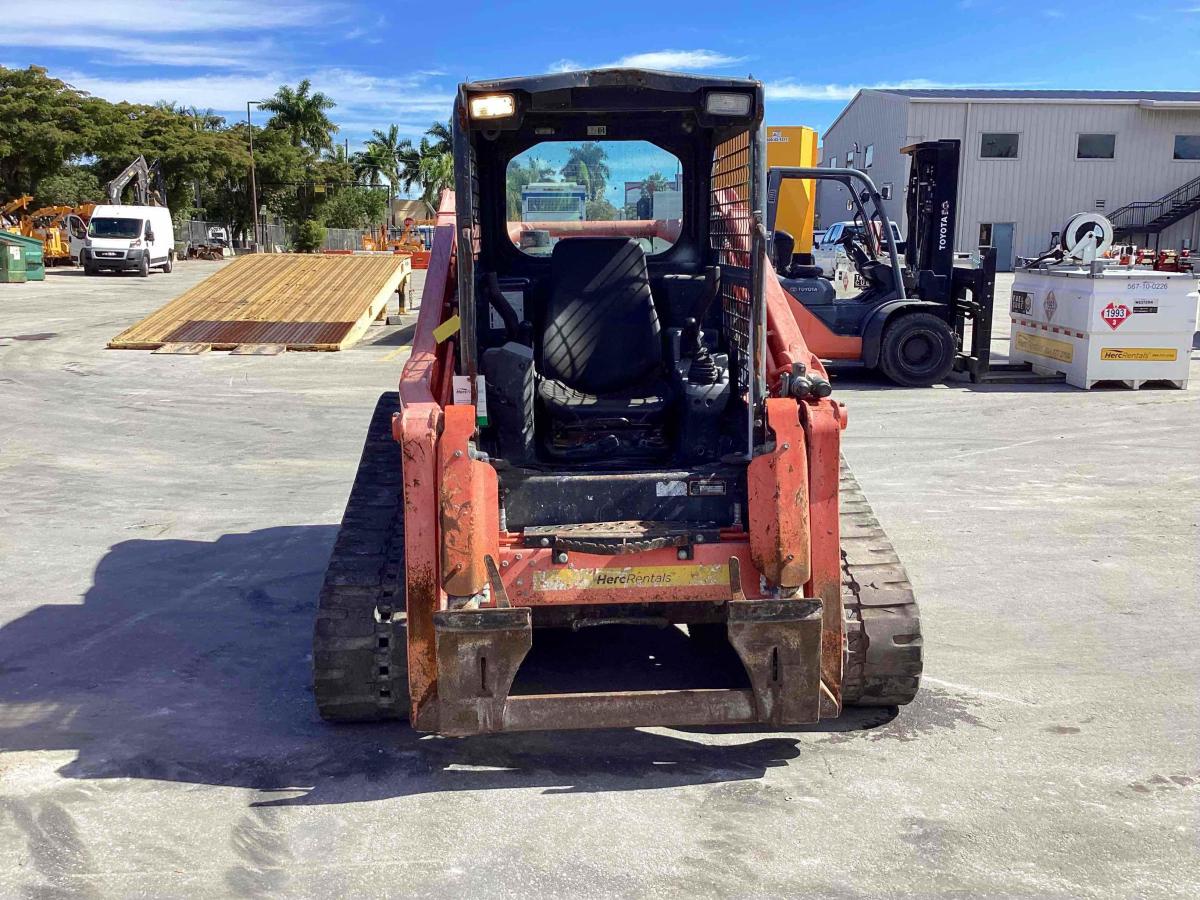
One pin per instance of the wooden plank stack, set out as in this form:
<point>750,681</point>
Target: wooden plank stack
<point>303,302</point>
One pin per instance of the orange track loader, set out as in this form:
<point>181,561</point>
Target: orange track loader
<point>608,420</point>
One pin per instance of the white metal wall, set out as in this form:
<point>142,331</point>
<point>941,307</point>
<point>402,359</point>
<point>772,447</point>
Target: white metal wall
<point>873,118</point>
<point>1045,185</point>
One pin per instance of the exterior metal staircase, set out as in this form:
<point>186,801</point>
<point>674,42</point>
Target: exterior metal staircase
<point>1152,216</point>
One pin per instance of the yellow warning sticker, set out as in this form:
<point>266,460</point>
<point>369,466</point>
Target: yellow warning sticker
<point>447,328</point>
<point>1044,346</point>
<point>1139,354</point>
<point>559,579</point>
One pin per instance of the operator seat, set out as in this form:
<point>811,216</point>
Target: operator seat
<point>600,360</point>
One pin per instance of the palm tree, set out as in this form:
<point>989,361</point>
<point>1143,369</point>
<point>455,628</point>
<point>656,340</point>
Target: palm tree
<point>654,182</point>
<point>204,119</point>
<point>369,167</point>
<point>437,174</point>
<point>586,165</point>
<point>302,115</point>
<point>384,150</point>
<point>442,138</point>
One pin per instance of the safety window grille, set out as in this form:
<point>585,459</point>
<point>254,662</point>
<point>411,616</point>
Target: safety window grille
<point>730,226</point>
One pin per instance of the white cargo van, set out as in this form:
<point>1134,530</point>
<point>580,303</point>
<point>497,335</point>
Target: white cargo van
<point>138,238</point>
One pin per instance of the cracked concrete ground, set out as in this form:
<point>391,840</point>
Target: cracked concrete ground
<point>164,523</point>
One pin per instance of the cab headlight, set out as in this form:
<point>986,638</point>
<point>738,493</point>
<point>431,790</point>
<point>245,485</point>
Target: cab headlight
<point>720,103</point>
<point>493,106</point>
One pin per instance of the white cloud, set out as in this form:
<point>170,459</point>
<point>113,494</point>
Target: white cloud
<point>142,17</point>
<point>110,48</point>
<point>1054,14</point>
<point>164,32</point>
<point>673,60</point>
<point>663,60</point>
<point>791,90</point>
<point>363,101</point>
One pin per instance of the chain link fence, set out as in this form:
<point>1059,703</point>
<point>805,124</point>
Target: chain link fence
<point>276,238</point>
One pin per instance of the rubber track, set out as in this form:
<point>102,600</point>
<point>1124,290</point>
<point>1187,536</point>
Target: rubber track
<point>883,628</point>
<point>360,669</point>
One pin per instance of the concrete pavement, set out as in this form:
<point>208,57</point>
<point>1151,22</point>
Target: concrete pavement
<point>164,525</point>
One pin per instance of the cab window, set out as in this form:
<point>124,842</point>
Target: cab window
<point>558,189</point>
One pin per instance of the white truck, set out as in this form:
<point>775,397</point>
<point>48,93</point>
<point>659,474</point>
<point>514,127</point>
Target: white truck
<point>829,251</point>
<point>129,238</point>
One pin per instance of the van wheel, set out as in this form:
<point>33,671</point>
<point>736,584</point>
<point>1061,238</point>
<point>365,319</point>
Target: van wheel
<point>917,350</point>
<point>144,267</point>
<point>169,264</point>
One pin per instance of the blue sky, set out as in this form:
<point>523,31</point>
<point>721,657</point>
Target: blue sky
<point>396,63</point>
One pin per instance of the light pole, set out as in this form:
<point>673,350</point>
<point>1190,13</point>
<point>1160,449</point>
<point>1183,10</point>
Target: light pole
<point>253,185</point>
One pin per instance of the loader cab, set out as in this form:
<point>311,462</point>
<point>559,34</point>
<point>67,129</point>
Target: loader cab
<point>605,280</point>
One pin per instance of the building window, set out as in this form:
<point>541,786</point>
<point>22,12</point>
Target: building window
<point>885,192</point>
<point>1096,146</point>
<point>1187,146</point>
<point>869,155</point>
<point>997,145</point>
<point>833,162</point>
<point>849,159</point>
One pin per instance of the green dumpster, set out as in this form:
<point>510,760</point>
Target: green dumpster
<point>32,249</point>
<point>12,263</point>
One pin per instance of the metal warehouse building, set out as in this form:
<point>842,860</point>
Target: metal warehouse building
<point>1030,159</point>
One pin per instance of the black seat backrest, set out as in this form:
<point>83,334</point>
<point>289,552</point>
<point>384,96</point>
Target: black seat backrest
<point>601,330</point>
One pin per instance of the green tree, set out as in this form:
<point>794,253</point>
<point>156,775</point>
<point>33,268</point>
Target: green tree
<point>44,123</point>
<point>71,186</point>
<point>355,207</point>
<point>310,235</point>
<point>600,211</point>
<point>587,165</point>
<point>301,114</point>
<point>195,163</point>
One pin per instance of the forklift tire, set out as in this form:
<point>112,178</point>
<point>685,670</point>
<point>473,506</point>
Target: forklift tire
<point>360,642</point>
<point>917,349</point>
<point>883,628</point>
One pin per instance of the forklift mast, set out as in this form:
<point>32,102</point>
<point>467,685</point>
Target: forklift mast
<point>932,208</point>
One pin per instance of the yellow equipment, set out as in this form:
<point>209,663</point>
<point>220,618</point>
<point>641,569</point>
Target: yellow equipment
<point>406,240</point>
<point>8,219</point>
<point>794,145</point>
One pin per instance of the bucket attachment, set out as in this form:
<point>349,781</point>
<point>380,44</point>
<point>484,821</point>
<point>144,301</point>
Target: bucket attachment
<point>480,650</point>
<point>779,643</point>
<point>478,654</point>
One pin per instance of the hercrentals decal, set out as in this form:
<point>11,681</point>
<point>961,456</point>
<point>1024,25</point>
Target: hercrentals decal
<point>568,579</point>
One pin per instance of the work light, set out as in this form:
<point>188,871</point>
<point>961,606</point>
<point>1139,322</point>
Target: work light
<point>492,106</point>
<point>719,103</point>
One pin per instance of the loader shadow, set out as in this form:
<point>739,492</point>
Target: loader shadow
<point>188,661</point>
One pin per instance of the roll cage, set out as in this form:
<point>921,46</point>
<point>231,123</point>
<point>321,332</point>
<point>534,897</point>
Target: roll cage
<point>723,162</point>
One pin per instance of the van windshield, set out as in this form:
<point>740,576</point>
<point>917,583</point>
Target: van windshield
<point>115,228</point>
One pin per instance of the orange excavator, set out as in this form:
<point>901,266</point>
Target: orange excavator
<point>618,425</point>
